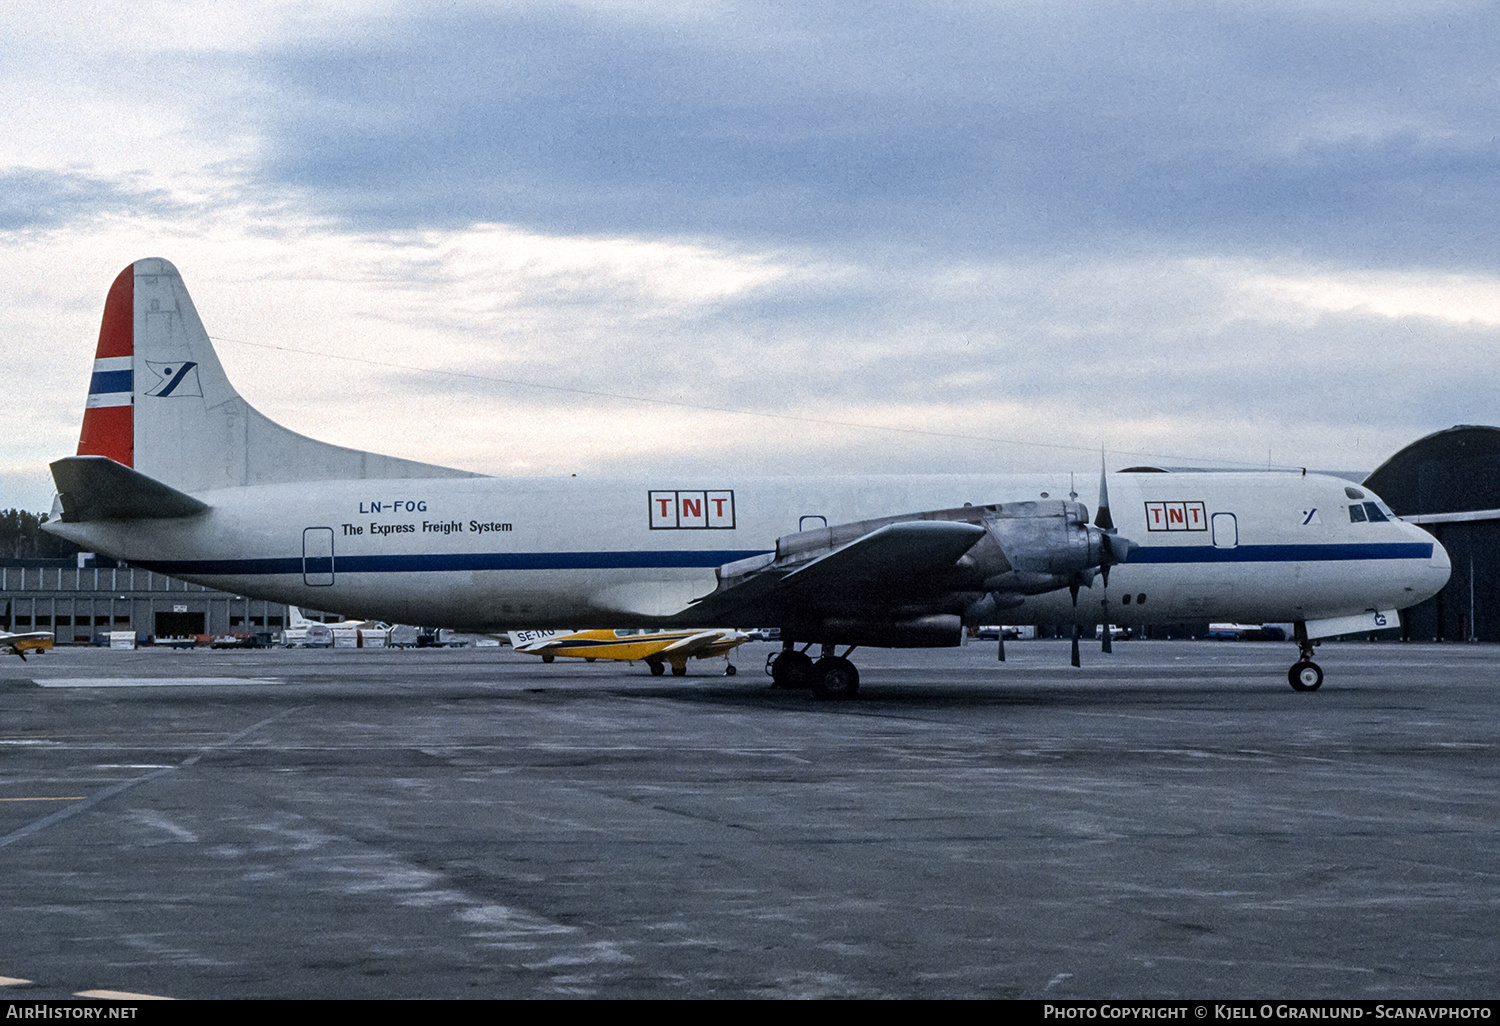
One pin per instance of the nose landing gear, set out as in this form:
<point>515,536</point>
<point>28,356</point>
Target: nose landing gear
<point>1305,675</point>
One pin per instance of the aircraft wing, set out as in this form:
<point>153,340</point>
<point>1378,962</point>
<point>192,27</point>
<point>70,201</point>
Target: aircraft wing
<point>707,643</point>
<point>7,638</point>
<point>884,567</point>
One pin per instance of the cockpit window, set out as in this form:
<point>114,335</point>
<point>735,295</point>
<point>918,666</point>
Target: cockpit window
<point>1353,493</point>
<point>1373,512</point>
<point>1356,513</point>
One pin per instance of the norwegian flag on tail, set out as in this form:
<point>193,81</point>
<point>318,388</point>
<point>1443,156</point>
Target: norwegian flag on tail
<point>108,419</point>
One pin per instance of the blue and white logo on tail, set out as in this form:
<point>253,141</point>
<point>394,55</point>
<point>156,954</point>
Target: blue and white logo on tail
<point>176,378</point>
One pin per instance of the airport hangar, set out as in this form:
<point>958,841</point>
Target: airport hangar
<point>1448,481</point>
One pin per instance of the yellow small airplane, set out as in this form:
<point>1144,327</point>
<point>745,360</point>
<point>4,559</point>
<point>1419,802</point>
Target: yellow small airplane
<point>20,644</point>
<point>655,648</point>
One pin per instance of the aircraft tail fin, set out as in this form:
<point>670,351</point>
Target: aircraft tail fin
<point>160,403</point>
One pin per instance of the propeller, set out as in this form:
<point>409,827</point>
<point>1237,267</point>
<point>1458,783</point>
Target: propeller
<point>1114,550</point>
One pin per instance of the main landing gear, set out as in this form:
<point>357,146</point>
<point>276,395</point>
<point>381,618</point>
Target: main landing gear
<point>1305,675</point>
<point>832,676</point>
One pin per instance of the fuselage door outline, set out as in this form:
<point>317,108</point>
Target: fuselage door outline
<point>317,556</point>
<point>1226,531</point>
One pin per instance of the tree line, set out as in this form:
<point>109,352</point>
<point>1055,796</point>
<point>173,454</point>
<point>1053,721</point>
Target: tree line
<point>21,537</point>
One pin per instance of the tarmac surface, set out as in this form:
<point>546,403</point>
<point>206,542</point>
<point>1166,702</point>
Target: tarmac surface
<point>1169,821</point>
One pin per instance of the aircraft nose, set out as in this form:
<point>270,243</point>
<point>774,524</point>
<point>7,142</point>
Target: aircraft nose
<point>1435,574</point>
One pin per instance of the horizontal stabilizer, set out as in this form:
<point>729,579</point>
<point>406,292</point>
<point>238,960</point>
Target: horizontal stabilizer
<point>98,488</point>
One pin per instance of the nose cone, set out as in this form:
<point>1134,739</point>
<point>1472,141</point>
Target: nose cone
<point>1429,580</point>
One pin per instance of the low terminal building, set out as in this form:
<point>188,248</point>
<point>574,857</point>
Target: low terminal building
<point>78,599</point>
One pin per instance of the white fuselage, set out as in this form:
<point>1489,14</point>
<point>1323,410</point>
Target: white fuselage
<point>484,554</point>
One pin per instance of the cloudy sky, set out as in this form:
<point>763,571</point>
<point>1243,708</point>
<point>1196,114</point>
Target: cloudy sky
<point>615,236</point>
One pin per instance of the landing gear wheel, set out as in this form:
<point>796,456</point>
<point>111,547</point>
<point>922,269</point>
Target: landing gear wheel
<point>1305,676</point>
<point>835,677</point>
<point>791,670</point>
<point>679,670</point>
<point>657,669</point>
<point>730,671</point>
<point>547,657</point>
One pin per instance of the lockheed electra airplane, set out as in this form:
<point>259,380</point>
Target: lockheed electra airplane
<point>175,472</point>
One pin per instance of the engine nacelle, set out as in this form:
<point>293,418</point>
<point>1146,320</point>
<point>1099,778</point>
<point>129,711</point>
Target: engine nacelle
<point>1052,539</point>
<point>937,630</point>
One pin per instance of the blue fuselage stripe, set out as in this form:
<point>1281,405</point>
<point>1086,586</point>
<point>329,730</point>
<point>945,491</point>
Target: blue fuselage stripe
<point>448,562</point>
<point>711,558</point>
<point>1281,553</point>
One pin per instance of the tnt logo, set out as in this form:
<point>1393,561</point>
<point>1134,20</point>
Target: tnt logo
<point>1176,516</point>
<point>675,511</point>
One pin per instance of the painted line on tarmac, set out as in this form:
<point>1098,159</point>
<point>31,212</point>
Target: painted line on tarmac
<point>109,792</point>
<point>151,682</point>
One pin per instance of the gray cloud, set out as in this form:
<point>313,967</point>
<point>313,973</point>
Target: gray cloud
<point>1349,134</point>
<point>39,199</point>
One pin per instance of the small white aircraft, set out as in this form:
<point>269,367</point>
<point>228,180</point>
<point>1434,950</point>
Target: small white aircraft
<point>301,631</point>
<point>177,473</point>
